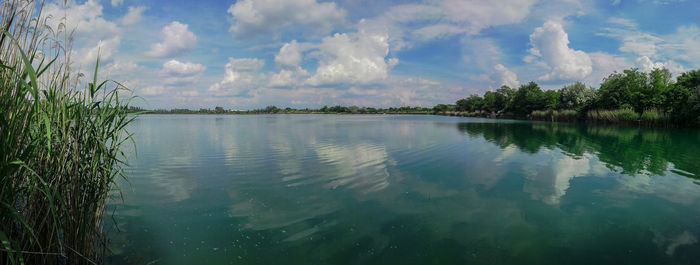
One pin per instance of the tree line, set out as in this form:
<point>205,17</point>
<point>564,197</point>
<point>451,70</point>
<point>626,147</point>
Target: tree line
<point>288,110</point>
<point>630,96</point>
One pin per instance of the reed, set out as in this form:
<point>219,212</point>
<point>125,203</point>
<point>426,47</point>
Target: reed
<point>60,146</point>
<point>654,117</point>
<point>618,116</point>
<point>554,115</point>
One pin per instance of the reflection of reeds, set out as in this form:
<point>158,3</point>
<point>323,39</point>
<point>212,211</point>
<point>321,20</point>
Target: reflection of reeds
<point>59,146</point>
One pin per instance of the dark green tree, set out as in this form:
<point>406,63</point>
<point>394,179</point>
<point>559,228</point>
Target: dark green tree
<point>527,98</point>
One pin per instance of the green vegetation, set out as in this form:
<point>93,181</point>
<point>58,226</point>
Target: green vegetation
<point>60,146</point>
<point>276,110</point>
<point>625,149</point>
<point>628,97</point>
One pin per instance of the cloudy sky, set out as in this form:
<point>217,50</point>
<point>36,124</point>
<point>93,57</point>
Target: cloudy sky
<point>308,53</point>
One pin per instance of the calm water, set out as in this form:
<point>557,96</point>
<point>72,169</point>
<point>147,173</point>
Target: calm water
<point>351,189</point>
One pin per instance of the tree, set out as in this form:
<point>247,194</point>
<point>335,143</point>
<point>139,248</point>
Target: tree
<point>652,95</point>
<point>527,98</point>
<point>575,96</point>
<point>507,95</point>
<point>462,105</point>
<point>682,99</point>
<point>494,101</point>
<point>624,89</point>
<point>271,109</point>
<point>551,99</point>
<point>475,102</point>
<point>440,108</point>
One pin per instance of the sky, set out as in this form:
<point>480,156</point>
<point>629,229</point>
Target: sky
<point>251,54</point>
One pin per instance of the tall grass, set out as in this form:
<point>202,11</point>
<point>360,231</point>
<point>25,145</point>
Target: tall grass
<point>555,115</point>
<point>59,145</point>
<point>654,117</point>
<point>618,116</point>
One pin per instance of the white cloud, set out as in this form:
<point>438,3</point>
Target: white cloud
<point>241,75</point>
<point>251,17</point>
<point>411,23</point>
<point>133,16</point>
<point>684,45</point>
<point>104,49</point>
<point>551,43</point>
<point>175,72</point>
<point>287,78</point>
<point>289,55</point>
<point>353,58</point>
<point>605,64</point>
<point>645,64</point>
<point>85,19</point>
<point>151,90</point>
<point>653,51</point>
<point>507,77</point>
<point>117,2</point>
<point>176,39</point>
<point>476,15</point>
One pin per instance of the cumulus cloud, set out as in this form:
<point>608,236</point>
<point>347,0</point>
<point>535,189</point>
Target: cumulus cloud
<point>551,43</point>
<point>152,90</point>
<point>353,58</point>
<point>175,72</point>
<point>86,19</point>
<point>117,2</point>
<point>654,51</point>
<point>252,17</point>
<point>133,16</point>
<point>289,55</point>
<point>506,76</point>
<point>287,78</point>
<point>645,64</point>
<point>177,38</point>
<point>605,64</point>
<point>241,75</point>
<point>104,49</point>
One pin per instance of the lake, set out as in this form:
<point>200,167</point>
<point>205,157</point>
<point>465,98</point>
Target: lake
<point>401,189</point>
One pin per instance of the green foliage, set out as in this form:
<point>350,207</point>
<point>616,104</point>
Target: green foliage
<point>623,115</point>
<point>631,97</point>
<point>508,94</point>
<point>472,103</point>
<point>494,101</point>
<point>551,99</point>
<point>654,117</point>
<point>527,98</point>
<point>60,147</point>
<point>575,96</point>
<point>554,115</point>
<point>620,89</point>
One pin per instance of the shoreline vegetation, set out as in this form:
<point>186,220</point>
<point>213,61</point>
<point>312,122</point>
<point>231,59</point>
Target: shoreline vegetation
<point>630,97</point>
<point>61,141</point>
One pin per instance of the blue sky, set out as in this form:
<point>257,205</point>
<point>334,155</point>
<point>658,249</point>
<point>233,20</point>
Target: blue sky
<point>309,53</point>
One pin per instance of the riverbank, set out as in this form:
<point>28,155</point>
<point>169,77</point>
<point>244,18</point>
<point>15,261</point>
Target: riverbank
<point>624,117</point>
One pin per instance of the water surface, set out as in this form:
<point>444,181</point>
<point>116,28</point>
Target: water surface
<point>382,189</point>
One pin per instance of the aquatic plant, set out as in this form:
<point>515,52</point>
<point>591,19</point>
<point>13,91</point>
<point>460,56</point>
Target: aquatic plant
<point>60,146</point>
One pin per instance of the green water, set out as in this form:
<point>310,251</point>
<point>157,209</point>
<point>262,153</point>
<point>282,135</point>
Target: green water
<point>352,189</point>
